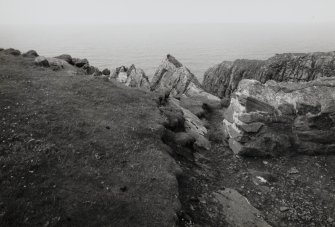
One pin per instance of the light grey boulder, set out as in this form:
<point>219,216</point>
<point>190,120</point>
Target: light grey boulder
<point>41,61</point>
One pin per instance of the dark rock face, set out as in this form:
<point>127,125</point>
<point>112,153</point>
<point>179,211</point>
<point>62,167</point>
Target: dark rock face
<point>66,57</point>
<point>12,52</point>
<point>31,54</point>
<point>171,76</point>
<point>106,72</point>
<point>80,62</point>
<point>1,49</point>
<point>223,79</point>
<point>273,119</point>
<point>132,77</point>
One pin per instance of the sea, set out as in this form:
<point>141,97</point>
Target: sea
<point>197,46</point>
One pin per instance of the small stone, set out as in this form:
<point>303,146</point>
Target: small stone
<point>293,170</point>
<point>283,209</point>
<point>330,220</point>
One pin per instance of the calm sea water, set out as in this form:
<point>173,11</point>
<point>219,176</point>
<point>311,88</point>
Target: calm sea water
<point>196,46</point>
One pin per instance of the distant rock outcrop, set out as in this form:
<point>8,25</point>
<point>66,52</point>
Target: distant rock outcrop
<point>274,118</point>
<point>132,77</point>
<point>171,76</point>
<point>106,72</point>
<point>66,57</point>
<point>223,79</point>
<point>12,52</point>
<point>80,62</point>
<point>30,54</point>
<point>41,61</point>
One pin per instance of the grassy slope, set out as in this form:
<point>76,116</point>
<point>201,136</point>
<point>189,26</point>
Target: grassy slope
<point>80,151</point>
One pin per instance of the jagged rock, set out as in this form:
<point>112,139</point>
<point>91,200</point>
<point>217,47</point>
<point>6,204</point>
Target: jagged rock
<point>80,62</point>
<point>276,118</point>
<point>31,54</point>
<point>236,210</point>
<point>132,77</point>
<point>192,125</point>
<point>172,76</point>
<point>42,61</point>
<point>66,57</point>
<point>12,52</point>
<point>223,79</point>
<point>106,72</point>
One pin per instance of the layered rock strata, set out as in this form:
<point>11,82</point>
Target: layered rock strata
<point>273,119</point>
<point>172,77</point>
<point>223,79</point>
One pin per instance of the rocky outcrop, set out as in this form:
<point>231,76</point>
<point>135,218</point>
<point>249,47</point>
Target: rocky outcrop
<point>80,62</point>
<point>132,77</point>
<point>12,51</point>
<point>106,72</point>
<point>69,64</point>
<point>173,77</point>
<point>223,79</point>
<point>273,119</point>
<point>30,54</point>
<point>66,57</point>
<point>41,61</point>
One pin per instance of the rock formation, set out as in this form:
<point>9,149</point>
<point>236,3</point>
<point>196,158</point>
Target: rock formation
<point>223,79</point>
<point>66,57</point>
<point>272,119</point>
<point>80,62</point>
<point>31,54</point>
<point>132,77</point>
<point>41,61</point>
<point>12,52</point>
<point>177,79</point>
<point>106,72</point>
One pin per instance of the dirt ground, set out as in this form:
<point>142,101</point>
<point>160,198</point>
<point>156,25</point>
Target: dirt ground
<point>80,151</point>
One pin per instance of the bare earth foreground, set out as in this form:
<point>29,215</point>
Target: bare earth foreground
<point>79,151</point>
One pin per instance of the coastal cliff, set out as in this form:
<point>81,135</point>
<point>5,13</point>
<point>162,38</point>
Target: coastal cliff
<point>82,146</point>
<point>223,79</point>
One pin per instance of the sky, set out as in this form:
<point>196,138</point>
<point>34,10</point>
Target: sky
<point>165,11</point>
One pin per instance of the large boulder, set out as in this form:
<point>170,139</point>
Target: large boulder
<point>132,77</point>
<point>222,79</point>
<point>80,62</point>
<point>106,72</point>
<point>274,119</point>
<point>57,64</point>
<point>177,79</point>
<point>12,51</point>
<point>42,61</point>
<point>66,57</point>
<point>1,49</point>
<point>30,54</point>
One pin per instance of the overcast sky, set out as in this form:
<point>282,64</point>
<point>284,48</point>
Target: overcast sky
<point>165,11</point>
